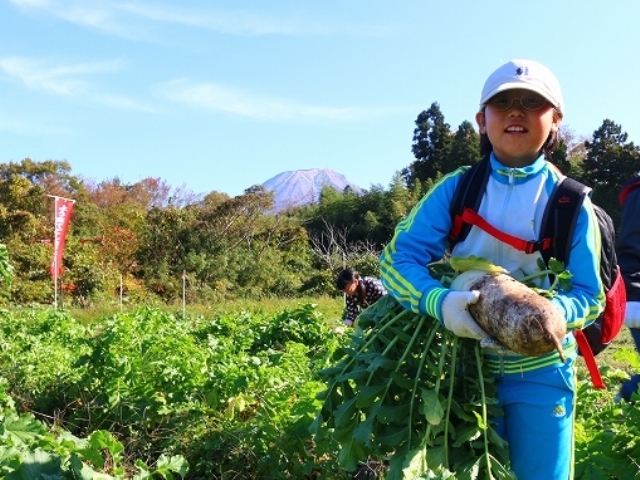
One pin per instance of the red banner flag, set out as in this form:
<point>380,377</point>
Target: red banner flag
<point>62,216</point>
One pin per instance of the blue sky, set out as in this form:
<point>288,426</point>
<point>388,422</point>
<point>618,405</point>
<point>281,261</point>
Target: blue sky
<point>219,96</point>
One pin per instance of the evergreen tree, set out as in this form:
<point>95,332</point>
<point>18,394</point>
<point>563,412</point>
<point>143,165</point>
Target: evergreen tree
<point>432,143</point>
<point>610,160</point>
<point>609,163</point>
<point>465,149</point>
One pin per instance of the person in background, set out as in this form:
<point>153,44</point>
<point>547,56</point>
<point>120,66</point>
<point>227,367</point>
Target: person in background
<point>521,108</point>
<point>360,292</point>
<point>628,253</point>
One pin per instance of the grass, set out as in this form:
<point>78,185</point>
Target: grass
<point>619,358</point>
<point>330,307</point>
<point>607,357</point>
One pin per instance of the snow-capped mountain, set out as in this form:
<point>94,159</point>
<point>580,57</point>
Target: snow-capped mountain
<point>302,187</point>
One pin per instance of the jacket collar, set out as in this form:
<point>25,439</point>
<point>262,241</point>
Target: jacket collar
<point>519,174</point>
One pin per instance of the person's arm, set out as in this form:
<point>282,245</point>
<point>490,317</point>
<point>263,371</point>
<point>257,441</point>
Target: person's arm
<point>628,250</point>
<point>628,244</point>
<point>351,310</point>
<point>419,240</point>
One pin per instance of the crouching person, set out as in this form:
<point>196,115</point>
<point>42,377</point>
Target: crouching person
<point>361,292</point>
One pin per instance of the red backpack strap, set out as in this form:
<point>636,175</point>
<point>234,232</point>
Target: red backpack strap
<point>528,246</point>
<point>589,358</point>
<point>466,203</point>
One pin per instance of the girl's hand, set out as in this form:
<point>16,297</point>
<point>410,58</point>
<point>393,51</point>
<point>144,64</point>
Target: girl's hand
<point>456,316</point>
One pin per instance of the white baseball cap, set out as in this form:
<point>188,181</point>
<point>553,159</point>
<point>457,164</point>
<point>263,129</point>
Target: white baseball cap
<point>527,75</point>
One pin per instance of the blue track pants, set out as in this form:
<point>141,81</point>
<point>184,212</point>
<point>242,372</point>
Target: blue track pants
<point>538,421</point>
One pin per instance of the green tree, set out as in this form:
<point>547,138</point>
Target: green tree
<point>51,176</point>
<point>226,246</point>
<point>166,249</point>
<point>432,143</point>
<point>610,161</point>
<point>465,149</point>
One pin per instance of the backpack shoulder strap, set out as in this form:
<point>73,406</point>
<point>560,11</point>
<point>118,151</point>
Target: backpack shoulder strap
<point>560,216</point>
<point>468,194</point>
<point>559,221</point>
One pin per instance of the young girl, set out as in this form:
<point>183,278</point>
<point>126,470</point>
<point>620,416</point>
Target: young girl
<point>361,292</point>
<point>521,108</point>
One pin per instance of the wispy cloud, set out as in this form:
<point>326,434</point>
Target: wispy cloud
<point>244,22</point>
<point>68,80</point>
<point>100,15</point>
<point>236,23</point>
<point>124,19</point>
<point>216,97</point>
<point>19,126</point>
<point>60,79</point>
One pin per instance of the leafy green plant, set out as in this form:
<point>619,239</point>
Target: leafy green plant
<point>232,393</point>
<point>607,433</point>
<point>39,349</point>
<point>410,391</point>
<point>30,450</point>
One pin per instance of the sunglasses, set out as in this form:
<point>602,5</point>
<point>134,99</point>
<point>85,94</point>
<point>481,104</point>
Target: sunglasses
<point>530,102</point>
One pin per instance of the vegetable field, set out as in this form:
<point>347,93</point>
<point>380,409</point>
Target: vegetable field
<point>242,395</point>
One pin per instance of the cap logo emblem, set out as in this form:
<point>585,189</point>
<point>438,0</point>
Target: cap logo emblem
<point>522,71</point>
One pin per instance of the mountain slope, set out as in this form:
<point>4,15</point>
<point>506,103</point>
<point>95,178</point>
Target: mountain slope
<point>302,187</point>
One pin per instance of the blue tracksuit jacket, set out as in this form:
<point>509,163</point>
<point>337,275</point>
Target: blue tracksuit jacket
<point>514,202</point>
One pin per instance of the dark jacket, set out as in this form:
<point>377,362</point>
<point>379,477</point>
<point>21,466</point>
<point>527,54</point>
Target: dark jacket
<point>628,243</point>
<point>369,291</point>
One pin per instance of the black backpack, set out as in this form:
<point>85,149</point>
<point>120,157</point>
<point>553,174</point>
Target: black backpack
<point>557,228</point>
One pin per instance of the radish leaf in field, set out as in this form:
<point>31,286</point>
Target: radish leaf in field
<point>432,409</point>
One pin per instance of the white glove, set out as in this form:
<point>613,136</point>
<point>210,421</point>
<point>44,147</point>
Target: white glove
<point>456,316</point>
<point>632,317</point>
